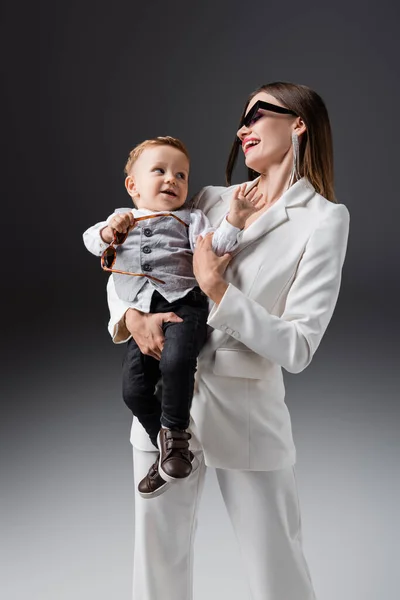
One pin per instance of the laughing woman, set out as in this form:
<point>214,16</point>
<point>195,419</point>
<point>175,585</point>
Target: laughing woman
<point>269,309</point>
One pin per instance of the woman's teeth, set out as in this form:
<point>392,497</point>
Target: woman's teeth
<point>250,143</point>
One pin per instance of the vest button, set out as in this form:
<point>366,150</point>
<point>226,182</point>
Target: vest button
<point>146,249</point>
<point>147,232</point>
<point>147,267</point>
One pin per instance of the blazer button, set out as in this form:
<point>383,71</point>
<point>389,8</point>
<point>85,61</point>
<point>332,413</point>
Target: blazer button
<point>236,335</point>
<point>229,331</point>
<point>147,268</point>
<point>147,232</point>
<point>146,249</point>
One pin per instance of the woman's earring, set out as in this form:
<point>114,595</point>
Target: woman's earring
<point>295,175</point>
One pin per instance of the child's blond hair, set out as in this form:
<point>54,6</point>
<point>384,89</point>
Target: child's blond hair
<point>158,141</point>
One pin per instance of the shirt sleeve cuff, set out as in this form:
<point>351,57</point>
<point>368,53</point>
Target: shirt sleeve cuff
<point>228,228</point>
<point>119,332</point>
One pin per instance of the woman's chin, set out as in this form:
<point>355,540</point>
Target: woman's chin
<point>254,165</point>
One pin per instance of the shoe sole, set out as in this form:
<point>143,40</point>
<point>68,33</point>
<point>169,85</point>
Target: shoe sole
<point>157,492</point>
<point>168,478</point>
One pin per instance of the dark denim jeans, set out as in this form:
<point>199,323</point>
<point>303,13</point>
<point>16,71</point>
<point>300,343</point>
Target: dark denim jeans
<point>177,367</point>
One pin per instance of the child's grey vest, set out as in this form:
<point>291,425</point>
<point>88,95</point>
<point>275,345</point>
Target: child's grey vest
<point>158,247</point>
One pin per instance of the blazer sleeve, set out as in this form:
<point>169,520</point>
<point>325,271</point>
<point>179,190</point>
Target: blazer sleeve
<point>118,308</point>
<point>292,339</point>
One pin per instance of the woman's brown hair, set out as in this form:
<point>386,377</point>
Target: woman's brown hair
<point>316,148</point>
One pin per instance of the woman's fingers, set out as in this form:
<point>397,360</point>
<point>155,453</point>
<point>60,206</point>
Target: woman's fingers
<point>224,262</point>
<point>149,352</point>
<point>157,334</point>
<point>207,240</point>
<point>155,342</point>
<point>146,330</point>
<point>204,242</point>
<point>169,317</point>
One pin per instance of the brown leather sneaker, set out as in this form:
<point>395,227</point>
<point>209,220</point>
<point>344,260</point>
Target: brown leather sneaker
<point>153,484</point>
<point>175,457</point>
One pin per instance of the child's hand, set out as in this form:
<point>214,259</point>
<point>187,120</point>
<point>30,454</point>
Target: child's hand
<point>121,222</point>
<point>243,206</point>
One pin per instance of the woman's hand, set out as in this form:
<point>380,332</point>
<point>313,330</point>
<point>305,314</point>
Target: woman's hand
<point>209,268</point>
<point>146,330</point>
<point>243,206</point>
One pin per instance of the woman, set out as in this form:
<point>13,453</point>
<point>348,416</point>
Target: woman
<point>270,308</point>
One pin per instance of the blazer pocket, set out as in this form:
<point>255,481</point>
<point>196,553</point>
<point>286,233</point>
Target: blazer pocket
<point>241,363</point>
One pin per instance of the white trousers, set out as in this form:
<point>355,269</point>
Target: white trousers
<point>264,510</point>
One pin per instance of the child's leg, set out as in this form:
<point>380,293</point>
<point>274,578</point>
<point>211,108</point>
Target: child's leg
<point>140,374</point>
<point>183,342</point>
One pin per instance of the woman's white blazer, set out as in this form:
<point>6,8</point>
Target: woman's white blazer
<point>284,282</point>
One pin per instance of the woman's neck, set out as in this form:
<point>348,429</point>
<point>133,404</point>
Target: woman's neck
<point>273,183</point>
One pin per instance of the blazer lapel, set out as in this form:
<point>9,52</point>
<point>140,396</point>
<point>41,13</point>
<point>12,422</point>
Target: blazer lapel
<point>297,195</point>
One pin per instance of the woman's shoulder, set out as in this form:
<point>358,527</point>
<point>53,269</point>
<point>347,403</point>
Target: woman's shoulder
<point>326,209</point>
<point>331,220</point>
<point>315,214</point>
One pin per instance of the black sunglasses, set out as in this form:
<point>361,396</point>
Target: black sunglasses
<point>247,119</point>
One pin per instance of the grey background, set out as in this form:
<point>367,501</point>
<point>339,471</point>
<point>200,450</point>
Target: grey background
<point>83,84</point>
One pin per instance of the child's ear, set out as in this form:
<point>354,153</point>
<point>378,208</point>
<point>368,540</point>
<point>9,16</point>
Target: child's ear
<point>130,186</point>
